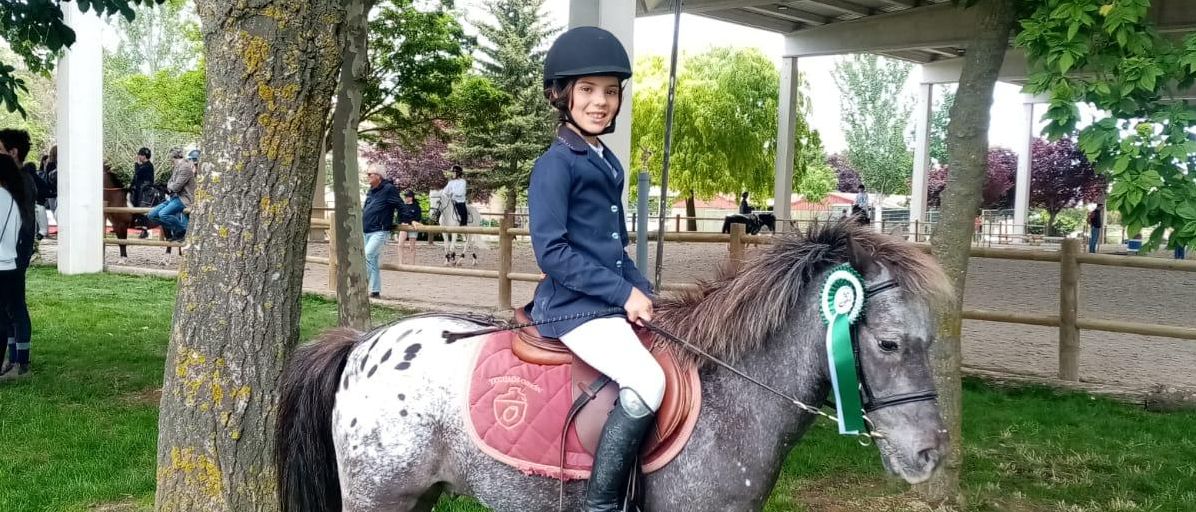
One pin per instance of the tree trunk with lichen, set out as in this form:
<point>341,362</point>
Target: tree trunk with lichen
<point>967,145</point>
<point>271,70</point>
<point>353,303</point>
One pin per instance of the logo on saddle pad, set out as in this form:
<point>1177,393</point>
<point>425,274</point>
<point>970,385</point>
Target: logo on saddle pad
<point>510,408</point>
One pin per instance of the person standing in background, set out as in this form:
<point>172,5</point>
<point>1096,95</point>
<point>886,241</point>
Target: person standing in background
<point>17,227</point>
<point>143,185</point>
<point>378,216</point>
<point>410,213</point>
<point>455,193</point>
<point>1096,220</point>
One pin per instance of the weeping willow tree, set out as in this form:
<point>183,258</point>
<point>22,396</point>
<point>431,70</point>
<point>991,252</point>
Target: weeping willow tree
<point>725,127</point>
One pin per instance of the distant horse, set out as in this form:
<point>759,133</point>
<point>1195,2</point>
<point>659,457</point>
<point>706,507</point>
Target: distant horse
<point>753,222</point>
<point>357,432</point>
<point>116,196</point>
<point>446,215</point>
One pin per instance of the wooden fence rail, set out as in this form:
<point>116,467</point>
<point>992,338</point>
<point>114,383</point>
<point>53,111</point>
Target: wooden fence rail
<point>1070,259</point>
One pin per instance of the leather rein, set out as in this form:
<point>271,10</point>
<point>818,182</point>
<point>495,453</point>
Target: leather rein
<point>870,400</point>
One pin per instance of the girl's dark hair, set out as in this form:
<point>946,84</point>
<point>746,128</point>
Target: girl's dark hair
<point>15,181</point>
<point>560,97</point>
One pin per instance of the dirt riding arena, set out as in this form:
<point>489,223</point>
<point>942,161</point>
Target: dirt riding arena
<point>1108,293</point>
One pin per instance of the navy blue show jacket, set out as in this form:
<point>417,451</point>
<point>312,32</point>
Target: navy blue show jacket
<point>578,233</point>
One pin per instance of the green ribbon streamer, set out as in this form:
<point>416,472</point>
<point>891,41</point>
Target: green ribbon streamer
<point>843,376</point>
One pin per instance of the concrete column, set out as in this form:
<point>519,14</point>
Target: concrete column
<point>786,115</point>
<point>922,117</point>
<point>1021,198</point>
<point>80,147</point>
<point>617,16</point>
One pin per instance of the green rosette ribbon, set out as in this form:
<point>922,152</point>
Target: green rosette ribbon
<point>842,305</point>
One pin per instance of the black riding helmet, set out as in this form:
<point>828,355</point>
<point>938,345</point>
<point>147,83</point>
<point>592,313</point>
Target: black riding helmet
<point>584,51</point>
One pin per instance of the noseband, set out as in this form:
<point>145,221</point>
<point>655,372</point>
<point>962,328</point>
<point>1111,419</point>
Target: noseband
<point>870,401</point>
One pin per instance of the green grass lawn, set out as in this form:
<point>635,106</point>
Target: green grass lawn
<point>81,434</point>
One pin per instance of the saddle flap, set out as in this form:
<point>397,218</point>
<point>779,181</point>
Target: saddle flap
<point>671,415</point>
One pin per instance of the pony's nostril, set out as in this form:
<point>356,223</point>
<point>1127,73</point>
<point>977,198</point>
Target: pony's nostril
<point>929,455</point>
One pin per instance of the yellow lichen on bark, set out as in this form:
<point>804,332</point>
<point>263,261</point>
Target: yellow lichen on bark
<point>256,53</point>
<point>197,469</point>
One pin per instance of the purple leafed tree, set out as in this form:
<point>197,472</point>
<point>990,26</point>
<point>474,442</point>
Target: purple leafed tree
<point>849,177</point>
<point>998,180</point>
<point>422,168</point>
<point>1061,177</point>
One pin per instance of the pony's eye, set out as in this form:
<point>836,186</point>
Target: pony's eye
<point>889,345</point>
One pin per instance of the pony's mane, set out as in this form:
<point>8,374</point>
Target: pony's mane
<point>735,312</point>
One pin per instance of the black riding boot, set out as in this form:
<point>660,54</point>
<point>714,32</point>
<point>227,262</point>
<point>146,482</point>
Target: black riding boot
<point>617,453</point>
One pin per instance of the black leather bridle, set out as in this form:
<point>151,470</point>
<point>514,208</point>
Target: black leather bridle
<point>870,401</point>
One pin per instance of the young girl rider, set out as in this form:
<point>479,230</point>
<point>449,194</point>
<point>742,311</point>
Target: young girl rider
<point>579,236</point>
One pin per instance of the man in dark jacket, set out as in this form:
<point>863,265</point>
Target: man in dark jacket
<point>1096,221</point>
<point>143,187</point>
<point>49,174</point>
<point>43,193</point>
<point>378,216</point>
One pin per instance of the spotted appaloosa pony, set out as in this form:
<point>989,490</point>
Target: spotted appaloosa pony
<point>371,423</point>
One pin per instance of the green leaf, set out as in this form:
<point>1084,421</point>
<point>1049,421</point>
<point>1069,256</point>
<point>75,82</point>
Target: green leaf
<point>1187,211</point>
<point>1156,237</point>
<point>1065,62</point>
<point>1134,227</point>
<point>1133,198</point>
<point>1123,163</point>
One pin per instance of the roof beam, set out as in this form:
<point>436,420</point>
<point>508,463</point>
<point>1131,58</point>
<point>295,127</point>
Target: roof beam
<point>844,7</point>
<point>751,19</point>
<point>791,14</point>
<point>945,71</point>
<point>942,52</point>
<point>910,55</point>
<point>935,26</point>
<point>908,4</point>
<point>699,6</point>
<point>1173,16</point>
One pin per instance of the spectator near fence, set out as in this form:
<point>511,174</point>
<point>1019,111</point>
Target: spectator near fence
<point>1096,220</point>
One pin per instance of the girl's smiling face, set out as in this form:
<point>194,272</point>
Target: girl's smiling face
<point>595,101</point>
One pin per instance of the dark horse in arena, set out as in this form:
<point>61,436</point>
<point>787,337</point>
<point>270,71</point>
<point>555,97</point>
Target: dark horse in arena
<point>753,222</point>
<point>116,196</point>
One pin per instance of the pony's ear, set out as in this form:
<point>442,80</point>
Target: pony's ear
<point>859,255</point>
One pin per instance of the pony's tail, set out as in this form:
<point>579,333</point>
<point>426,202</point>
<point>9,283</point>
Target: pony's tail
<point>304,456</point>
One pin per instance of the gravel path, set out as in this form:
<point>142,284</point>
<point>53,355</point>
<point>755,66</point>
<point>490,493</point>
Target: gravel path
<point>1109,293</point>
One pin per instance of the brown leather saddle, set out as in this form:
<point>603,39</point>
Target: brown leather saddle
<point>594,394</point>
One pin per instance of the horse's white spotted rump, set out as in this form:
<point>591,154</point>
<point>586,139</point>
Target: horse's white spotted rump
<point>393,399</point>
